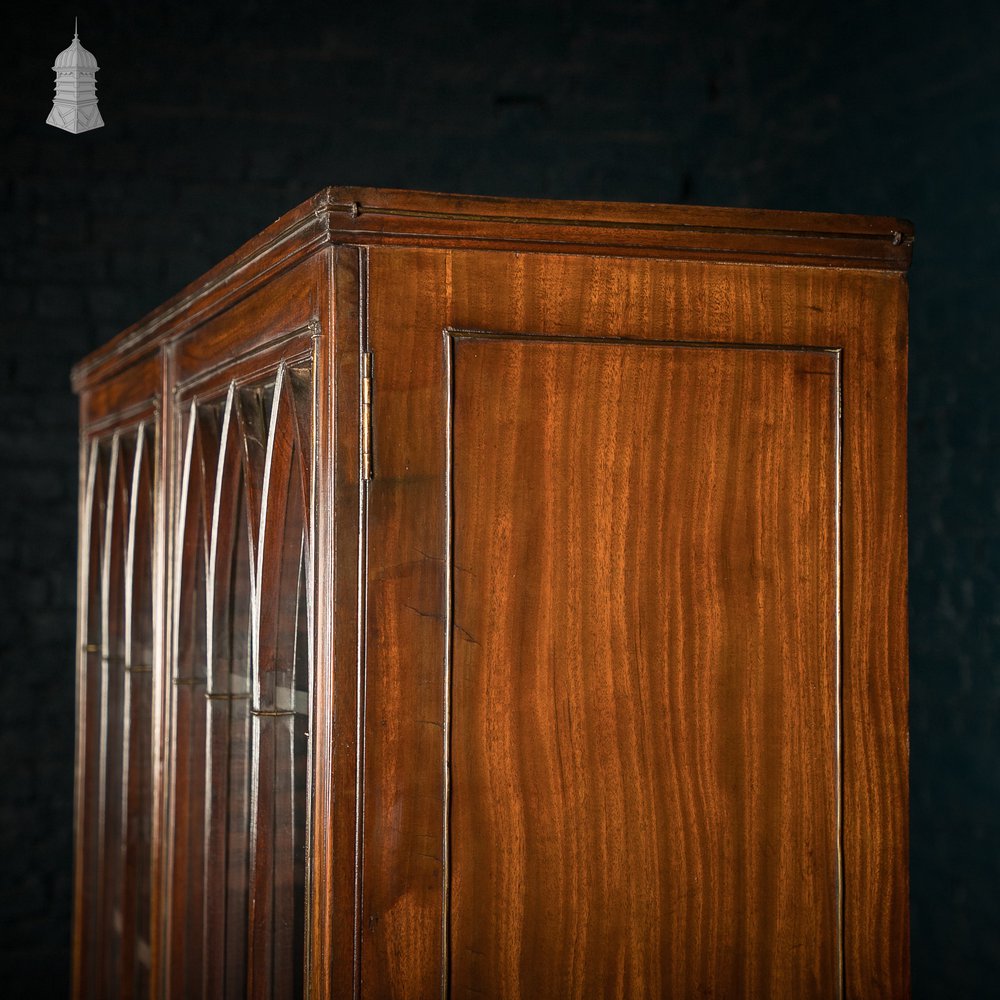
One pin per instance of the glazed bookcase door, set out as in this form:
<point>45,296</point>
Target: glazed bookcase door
<point>115,791</point>
<point>240,669</point>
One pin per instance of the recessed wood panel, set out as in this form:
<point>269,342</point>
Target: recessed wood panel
<point>645,779</point>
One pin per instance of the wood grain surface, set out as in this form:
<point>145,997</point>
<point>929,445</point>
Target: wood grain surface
<point>367,216</point>
<point>401,916</point>
<point>644,703</point>
<point>411,848</point>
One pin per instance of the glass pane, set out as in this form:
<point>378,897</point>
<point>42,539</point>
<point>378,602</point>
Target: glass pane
<point>122,453</point>
<point>281,700</point>
<point>137,790</point>
<point>189,710</point>
<point>241,682</point>
<point>117,648</point>
<point>227,803</point>
<point>88,822</point>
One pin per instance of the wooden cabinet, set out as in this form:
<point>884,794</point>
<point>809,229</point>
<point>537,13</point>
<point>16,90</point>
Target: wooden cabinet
<point>500,598</point>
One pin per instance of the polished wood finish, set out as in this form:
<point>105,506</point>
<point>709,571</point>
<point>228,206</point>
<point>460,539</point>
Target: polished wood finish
<point>644,705</point>
<point>588,678</point>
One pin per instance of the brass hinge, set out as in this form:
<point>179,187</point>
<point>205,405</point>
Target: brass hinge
<point>366,415</point>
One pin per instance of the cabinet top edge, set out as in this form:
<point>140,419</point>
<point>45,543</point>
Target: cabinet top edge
<point>625,215</point>
<point>372,216</point>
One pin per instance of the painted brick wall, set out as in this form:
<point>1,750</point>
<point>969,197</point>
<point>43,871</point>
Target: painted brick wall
<point>219,119</point>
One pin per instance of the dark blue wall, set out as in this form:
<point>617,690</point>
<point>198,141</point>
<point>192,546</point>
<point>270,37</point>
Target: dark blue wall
<point>219,119</point>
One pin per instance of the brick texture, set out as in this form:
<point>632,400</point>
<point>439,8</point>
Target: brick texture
<point>219,119</point>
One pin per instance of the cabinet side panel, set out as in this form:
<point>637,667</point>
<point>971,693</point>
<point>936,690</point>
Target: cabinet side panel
<point>644,688</point>
<point>415,294</point>
<point>864,314</point>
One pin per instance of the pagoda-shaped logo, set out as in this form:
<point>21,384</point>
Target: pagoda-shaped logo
<point>75,106</point>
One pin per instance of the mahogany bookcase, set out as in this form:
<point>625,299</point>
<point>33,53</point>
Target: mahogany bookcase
<point>500,598</point>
